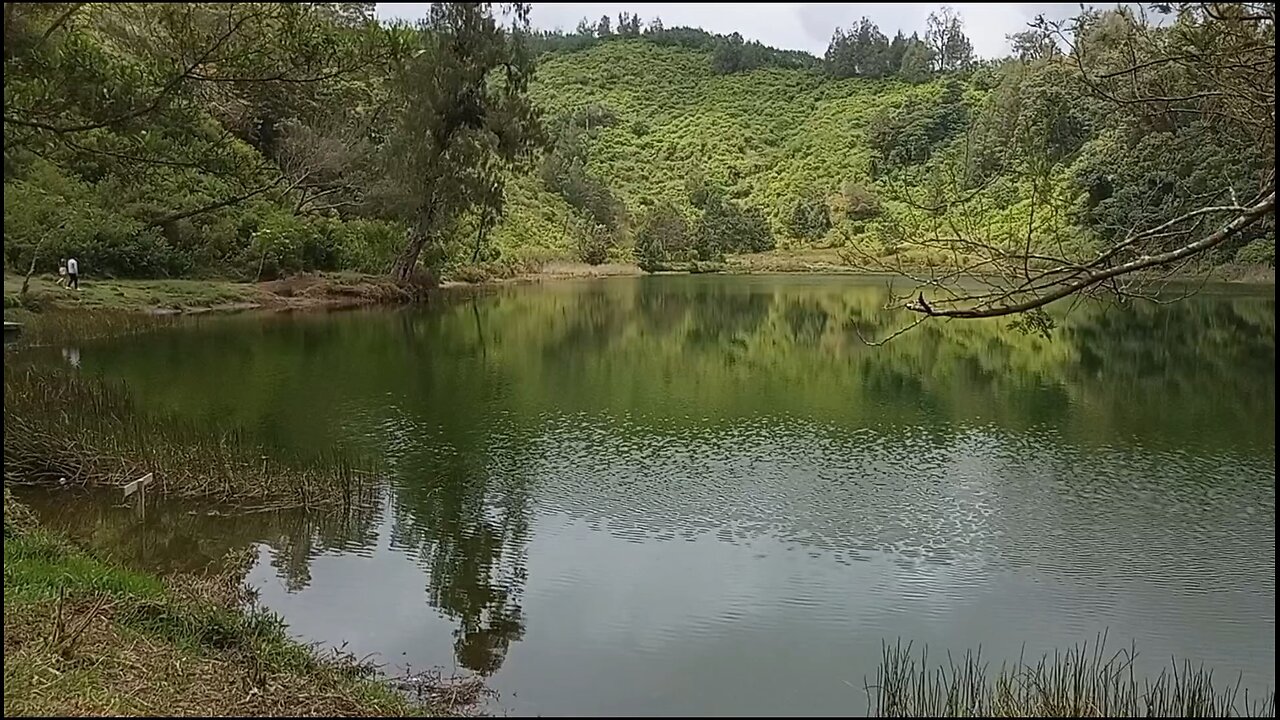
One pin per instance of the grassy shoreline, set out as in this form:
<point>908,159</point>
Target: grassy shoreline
<point>85,636</point>
<point>331,291</point>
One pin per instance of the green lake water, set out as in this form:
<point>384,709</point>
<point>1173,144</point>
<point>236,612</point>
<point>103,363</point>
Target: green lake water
<point>707,495</point>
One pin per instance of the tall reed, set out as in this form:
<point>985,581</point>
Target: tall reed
<point>61,427</point>
<point>1080,682</point>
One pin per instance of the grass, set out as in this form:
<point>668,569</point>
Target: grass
<point>83,636</point>
<point>64,428</point>
<point>1082,682</point>
<point>129,295</point>
<point>303,291</point>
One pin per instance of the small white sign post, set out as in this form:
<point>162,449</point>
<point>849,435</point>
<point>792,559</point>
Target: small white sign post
<point>139,487</point>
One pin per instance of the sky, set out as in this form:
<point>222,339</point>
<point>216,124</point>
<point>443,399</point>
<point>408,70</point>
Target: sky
<point>792,26</point>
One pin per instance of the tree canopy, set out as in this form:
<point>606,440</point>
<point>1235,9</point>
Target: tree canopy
<point>1104,153</point>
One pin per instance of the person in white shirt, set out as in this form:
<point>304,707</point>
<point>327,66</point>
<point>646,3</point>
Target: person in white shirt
<point>73,274</point>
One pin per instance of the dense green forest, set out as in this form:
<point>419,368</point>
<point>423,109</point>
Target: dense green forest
<point>170,141</point>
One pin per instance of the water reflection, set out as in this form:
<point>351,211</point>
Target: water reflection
<point>1121,470</point>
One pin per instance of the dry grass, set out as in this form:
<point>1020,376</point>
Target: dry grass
<point>62,428</point>
<point>335,290</point>
<point>1082,682</point>
<point>83,658</point>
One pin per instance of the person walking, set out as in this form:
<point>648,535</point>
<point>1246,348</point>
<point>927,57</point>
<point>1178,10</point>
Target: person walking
<point>62,272</point>
<point>73,274</point>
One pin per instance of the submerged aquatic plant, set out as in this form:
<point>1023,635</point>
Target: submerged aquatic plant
<point>61,427</point>
<point>1080,682</point>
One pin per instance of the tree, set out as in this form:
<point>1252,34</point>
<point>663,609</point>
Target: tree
<point>135,85</point>
<point>564,169</point>
<point>628,24</point>
<point>810,218</point>
<point>661,237</point>
<point>464,122</point>
<point>585,28</point>
<point>594,241</point>
<point>917,59</point>
<point>655,26</point>
<point>1180,167</point>
<point>728,54</point>
<point>945,37</point>
<point>725,226</point>
<point>897,49</point>
<point>602,27</point>
<point>862,52</point>
<point>1032,44</point>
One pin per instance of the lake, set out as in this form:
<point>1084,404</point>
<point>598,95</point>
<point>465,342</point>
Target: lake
<point>708,495</point>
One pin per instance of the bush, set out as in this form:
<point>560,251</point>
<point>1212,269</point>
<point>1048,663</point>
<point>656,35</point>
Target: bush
<point>661,237</point>
<point>1259,252</point>
<point>368,246</point>
<point>593,244</point>
<point>809,218</point>
<point>858,202</point>
<point>725,226</point>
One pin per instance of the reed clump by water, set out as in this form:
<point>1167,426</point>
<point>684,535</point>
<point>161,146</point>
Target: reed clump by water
<point>1083,681</point>
<point>56,327</point>
<point>64,428</point>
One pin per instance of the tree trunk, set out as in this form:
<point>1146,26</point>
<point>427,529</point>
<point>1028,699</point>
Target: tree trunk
<point>35,255</point>
<point>408,258</point>
<point>416,239</point>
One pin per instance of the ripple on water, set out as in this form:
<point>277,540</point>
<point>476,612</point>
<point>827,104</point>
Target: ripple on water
<point>1021,500</point>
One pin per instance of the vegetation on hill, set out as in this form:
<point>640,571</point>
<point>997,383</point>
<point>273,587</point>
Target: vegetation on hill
<point>155,141</point>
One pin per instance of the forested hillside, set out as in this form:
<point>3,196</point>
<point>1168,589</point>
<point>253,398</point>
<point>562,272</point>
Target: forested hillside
<point>160,141</point>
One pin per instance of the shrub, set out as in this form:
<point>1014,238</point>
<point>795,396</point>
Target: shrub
<point>661,237</point>
<point>809,218</point>
<point>725,226</point>
<point>1259,252</point>
<point>593,244</point>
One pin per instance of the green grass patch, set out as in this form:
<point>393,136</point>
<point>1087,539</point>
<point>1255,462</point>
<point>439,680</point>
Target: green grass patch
<point>127,295</point>
<point>39,566</point>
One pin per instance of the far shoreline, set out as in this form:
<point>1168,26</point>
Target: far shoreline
<point>337,291</point>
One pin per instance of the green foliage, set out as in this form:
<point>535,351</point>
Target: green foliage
<point>951,49</point>
<point>1259,252</point>
<point>662,237</point>
<point>731,54</point>
<point>124,152</point>
<point>917,59</point>
<point>864,51</point>
<point>564,172</point>
<point>463,123</point>
<point>349,145</point>
<point>857,202</point>
<point>810,217</point>
<point>594,241</point>
<point>726,226</point>
<point>728,53</point>
<point>910,134</point>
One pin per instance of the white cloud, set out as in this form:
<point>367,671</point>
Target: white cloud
<point>792,26</point>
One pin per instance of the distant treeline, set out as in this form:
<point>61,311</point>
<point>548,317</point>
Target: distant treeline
<point>861,51</point>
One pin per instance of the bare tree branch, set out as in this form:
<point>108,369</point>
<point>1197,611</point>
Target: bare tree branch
<point>1089,279</point>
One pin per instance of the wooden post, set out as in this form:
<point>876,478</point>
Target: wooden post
<point>139,486</point>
